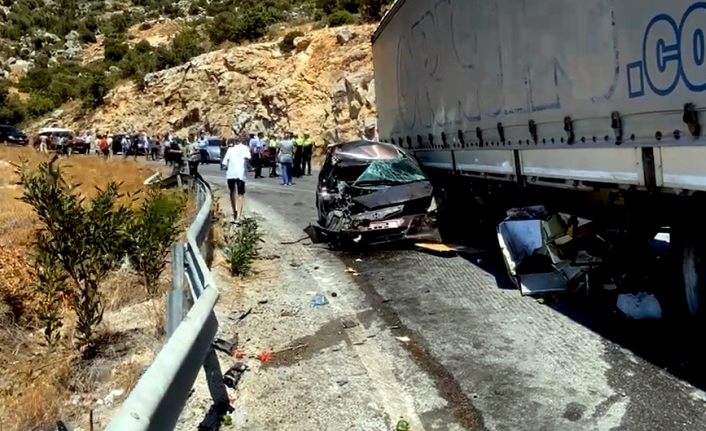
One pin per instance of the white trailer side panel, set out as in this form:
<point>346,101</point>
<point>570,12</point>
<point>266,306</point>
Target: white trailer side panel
<point>683,168</point>
<point>436,159</point>
<point>610,165</point>
<point>446,66</point>
<point>490,161</point>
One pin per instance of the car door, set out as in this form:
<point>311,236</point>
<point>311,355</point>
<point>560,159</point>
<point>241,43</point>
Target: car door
<point>324,184</point>
<point>4,132</point>
<point>214,151</point>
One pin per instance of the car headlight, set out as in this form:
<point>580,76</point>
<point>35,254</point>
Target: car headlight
<point>433,206</point>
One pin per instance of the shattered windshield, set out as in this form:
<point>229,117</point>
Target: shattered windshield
<point>392,172</point>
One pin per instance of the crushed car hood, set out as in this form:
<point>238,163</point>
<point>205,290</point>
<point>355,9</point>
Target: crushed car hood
<point>381,214</point>
<point>394,195</point>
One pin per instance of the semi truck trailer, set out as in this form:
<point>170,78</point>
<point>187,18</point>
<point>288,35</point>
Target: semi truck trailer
<point>593,107</point>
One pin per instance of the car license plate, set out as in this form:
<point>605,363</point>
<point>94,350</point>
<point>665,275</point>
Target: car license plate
<point>391,224</point>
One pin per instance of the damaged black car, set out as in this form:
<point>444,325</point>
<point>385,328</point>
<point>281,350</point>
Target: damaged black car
<point>371,193</point>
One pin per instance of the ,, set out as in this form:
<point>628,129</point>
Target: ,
<point>371,192</point>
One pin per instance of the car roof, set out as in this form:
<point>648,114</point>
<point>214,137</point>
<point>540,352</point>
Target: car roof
<point>55,130</point>
<point>366,150</point>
